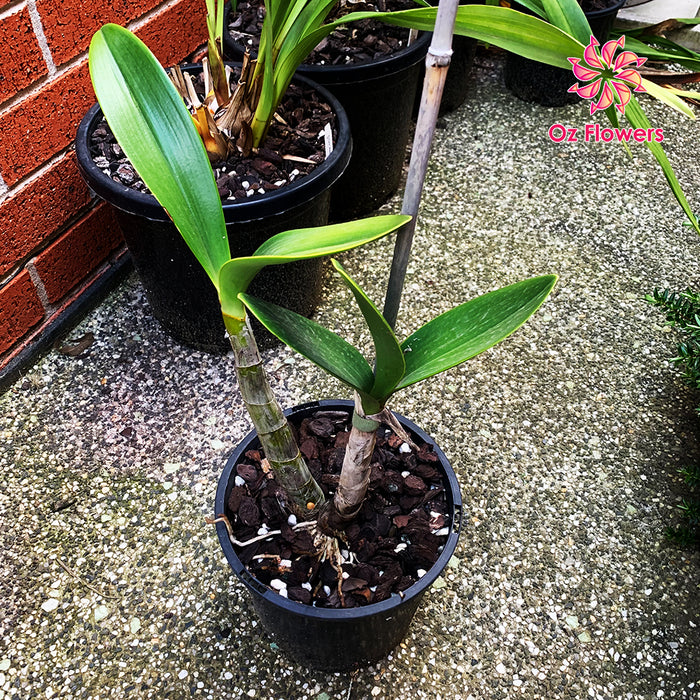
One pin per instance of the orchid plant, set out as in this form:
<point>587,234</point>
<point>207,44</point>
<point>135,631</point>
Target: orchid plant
<point>444,342</point>
<point>157,133</point>
<point>559,35</point>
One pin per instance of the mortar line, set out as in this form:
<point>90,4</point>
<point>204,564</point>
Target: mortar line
<point>41,37</point>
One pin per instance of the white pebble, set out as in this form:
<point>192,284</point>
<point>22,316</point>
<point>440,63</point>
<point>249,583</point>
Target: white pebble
<point>101,612</point>
<point>183,674</point>
<point>405,474</point>
<point>327,590</point>
<point>278,584</point>
<point>442,532</point>
<point>292,520</point>
<point>306,585</point>
<point>501,668</point>
<point>49,605</point>
<point>263,530</point>
<point>283,592</point>
<point>405,448</point>
<point>400,547</point>
<point>421,572</point>
<point>239,480</point>
<point>285,563</point>
<point>245,184</point>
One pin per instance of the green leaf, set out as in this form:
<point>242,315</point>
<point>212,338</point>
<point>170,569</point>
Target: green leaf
<point>568,16</point>
<point>299,244</point>
<point>636,117</point>
<point>522,34</point>
<point>469,329</point>
<point>156,132</point>
<point>674,53</point>
<point>665,95</point>
<point>267,102</point>
<point>390,365</point>
<point>324,348</point>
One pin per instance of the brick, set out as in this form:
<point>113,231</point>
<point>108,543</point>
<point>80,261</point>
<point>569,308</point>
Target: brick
<point>35,212</point>
<point>21,61</point>
<point>175,32</point>
<point>70,24</point>
<point>20,310</point>
<point>44,123</point>
<point>78,252</point>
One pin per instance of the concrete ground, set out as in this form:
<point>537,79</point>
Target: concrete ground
<point>566,439</point>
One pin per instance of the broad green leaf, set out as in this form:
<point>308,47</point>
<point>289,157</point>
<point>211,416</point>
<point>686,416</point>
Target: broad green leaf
<point>664,95</point>
<point>156,132</point>
<point>528,36</point>
<point>685,93</point>
<point>535,6</point>
<point>674,54</point>
<point>636,117</point>
<point>568,16</point>
<point>299,244</point>
<point>267,103</point>
<point>390,365</point>
<point>469,329</point>
<point>324,348</point>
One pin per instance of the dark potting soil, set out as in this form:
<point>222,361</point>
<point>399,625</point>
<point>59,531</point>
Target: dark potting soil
<point>358,42</point>
<point>396,538</point>
<point>291,150</point>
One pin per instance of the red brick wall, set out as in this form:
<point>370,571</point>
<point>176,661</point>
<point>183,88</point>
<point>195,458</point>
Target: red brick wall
<point>56,240</point>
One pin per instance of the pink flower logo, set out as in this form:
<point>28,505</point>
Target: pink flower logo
<point>613,78</point>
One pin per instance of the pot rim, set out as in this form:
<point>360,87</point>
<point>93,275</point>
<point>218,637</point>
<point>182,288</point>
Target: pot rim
<point>293,607</point>
<point>240,211</point>
<point>606,10</point>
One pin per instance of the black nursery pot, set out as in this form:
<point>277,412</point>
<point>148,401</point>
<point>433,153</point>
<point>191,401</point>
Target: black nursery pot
<point>328,638</point>
<point>179,292</point>
<point>547,85</point>
<point>378,98</point>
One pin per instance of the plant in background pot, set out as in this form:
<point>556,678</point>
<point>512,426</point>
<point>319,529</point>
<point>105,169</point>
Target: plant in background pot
<point>560,32</point>
<point>373,70</point>
<point>158,134</point>
<point>256,204</point>
<point>548,85</point>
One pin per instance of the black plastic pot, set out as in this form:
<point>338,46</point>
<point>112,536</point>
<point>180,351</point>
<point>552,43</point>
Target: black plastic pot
<point>337,639</point>
<point>459,80</point>
<point>546,85</point>
<point>378,98</point>
<point>179,292</point>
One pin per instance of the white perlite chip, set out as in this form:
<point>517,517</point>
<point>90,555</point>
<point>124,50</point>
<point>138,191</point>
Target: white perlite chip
<point>49,605</point>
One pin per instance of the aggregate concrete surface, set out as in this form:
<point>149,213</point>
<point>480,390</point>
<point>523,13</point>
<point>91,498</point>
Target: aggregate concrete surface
<point>566,439</point>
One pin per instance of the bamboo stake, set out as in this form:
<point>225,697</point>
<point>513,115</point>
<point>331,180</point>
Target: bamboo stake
<point>436,64</point>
